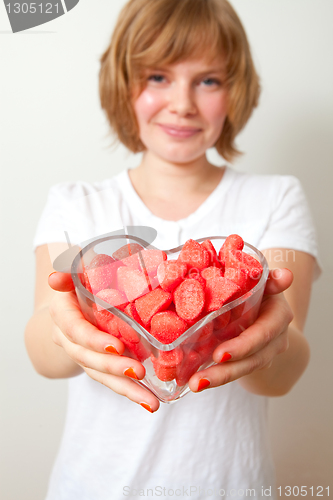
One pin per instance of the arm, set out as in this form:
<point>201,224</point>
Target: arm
<point>271,355</point>
<point>61,343</point>
<point>47,357</point>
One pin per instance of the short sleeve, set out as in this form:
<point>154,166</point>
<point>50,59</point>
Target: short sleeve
<point>53,224</point>
<point>78,211</point>
<point>291,224</point>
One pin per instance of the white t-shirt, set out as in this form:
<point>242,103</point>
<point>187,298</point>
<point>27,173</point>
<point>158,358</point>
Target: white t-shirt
<point>208,442</point>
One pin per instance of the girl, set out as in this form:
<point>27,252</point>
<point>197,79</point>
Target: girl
<point>176,80</point>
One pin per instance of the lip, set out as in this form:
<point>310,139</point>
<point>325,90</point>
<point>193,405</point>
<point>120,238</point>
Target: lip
<point>177,131</point>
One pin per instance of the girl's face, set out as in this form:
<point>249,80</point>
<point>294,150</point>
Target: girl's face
<point>182,109</point>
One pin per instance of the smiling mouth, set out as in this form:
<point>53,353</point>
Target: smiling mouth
<point>177,131</point>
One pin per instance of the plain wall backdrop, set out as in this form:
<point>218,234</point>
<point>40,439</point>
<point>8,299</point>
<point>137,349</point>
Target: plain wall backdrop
<point>53,130</point>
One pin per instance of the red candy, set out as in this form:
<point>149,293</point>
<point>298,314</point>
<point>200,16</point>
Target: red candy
<point>214,260</point>
<point>132,282</point>
<point>233,242</point>
<point>194,255</point>
<point>191,363</point>
<point>189,299</point>
<point>167,364</point>
<point>168,297</point>
<point>219,291</point>
<point>151,259</point>
<point>127,332</point>
<point>167,326</point>
<point>171,274</point>
<point>152,303</point>
<point>127,250</point>
<point>101,273</point>
<point>131,311</point>
<point>211,272</point>
<point>113,297</point>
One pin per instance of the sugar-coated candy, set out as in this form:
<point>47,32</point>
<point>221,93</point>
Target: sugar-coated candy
<point>167,326</point>
<point>189,299</point>
<point>204,333</point>
<point>196,275</point>
<point>131,311</point>
<point>113,297</point>
<point>127,332</point>
<point>153,302</point>
<point>232,242</point>
<point>211,272</point>
<point>150,259</point>
<point>214,260</point>
<point>219,291</point>
<point>133,282</point>
<point>195,255</point>
<point>206,349</point>
<point>222,320</point>
<point>170,274</point>
<point>169,297</point>
<point>190,365</point>
<point>127,250</point>
<point>100,273</point>
<point>167,364</point>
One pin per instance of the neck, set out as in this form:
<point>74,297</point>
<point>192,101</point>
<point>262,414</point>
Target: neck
<point>166,179</point>
<point>173,191</point>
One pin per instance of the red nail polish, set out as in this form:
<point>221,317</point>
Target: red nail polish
<point>52,273</point>
<point>147,407</point>
<point>203,383</point>
<point>130,373</point>
<point>110,348</point>
<point>226,356</point>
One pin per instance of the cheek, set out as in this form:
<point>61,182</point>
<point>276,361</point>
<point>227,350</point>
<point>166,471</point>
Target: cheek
<point>215,109</point>
<point>147,105</point>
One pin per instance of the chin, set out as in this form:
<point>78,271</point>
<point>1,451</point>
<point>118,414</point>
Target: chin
<point>180,155</point>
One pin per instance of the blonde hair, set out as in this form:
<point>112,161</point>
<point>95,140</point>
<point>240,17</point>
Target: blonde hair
<point>152,33</point>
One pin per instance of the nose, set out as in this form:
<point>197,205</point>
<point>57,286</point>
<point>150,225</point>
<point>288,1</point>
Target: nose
<point>182,99</point>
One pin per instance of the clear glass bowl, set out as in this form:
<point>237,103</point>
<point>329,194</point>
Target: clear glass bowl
<point>169,366</point>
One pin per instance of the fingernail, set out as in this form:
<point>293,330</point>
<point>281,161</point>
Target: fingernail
<point>147,407</point>
<point>226,356</point>
<point>203,383</point>
<point>52,273</point>
<point>131,373</point>
<point>110,348</point>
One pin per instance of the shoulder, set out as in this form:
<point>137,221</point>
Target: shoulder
<point>272,190</point>
<point>274,182</point>
<point>79,189</point>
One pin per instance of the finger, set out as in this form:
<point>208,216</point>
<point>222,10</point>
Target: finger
<point>278,281</point>
<point>132,390</point>
<point>66,314</point>
<point>61,282</point>
<point>274,318</point>
<point>111,364</point>
<point>224,373</point>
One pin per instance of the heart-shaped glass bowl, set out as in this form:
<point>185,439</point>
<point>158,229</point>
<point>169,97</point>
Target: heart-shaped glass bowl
<point>170,366</point>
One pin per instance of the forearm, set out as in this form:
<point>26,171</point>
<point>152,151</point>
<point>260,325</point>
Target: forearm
<point>284,371</point>
<point>48,359</point>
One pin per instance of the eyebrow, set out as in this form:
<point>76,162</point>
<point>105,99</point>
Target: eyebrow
<point>218,69</point>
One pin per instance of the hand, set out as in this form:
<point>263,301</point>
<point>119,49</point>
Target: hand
<point>90,348</point>
<point>256,347</point>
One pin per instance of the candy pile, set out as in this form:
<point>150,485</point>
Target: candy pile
<point>167,297</point>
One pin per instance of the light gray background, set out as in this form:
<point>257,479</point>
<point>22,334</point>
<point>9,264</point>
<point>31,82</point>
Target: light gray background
<point>52,130</point>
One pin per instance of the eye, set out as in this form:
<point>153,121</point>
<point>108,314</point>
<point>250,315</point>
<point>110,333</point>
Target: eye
<point>156,78</point>
<point>210,82</point>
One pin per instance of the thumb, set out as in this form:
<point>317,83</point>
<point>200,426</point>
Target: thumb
<point>61,282</point>
<point>278,281</point>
